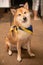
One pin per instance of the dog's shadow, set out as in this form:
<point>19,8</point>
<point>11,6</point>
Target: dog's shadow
<point>24,53</point>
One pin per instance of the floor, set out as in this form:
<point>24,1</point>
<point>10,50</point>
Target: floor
<point>37,44</point>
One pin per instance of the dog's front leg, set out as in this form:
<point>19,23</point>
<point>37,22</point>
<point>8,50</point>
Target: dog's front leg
<point>19,52</point>
<point>29,49</point>
<point>8,48</point>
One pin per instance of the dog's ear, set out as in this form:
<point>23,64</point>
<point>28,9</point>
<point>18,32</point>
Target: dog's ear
<point>13,11</point>
<point>26,5</point>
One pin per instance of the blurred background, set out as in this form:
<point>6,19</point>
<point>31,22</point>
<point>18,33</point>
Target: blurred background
<point>5,5</point>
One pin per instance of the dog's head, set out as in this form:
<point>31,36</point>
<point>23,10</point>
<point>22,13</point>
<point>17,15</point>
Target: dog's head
<point>22,16</point>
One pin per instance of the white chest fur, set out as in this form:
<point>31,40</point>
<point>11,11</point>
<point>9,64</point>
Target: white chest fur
<point>23,35</point>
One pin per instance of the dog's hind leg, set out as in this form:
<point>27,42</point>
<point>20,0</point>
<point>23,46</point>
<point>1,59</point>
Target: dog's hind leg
<point>29,49</point>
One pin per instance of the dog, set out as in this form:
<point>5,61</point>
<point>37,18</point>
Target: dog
<point>20,32</point>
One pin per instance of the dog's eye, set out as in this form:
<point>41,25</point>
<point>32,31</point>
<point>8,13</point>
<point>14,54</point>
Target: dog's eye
<point>19,14</point>
<point>24,12</point>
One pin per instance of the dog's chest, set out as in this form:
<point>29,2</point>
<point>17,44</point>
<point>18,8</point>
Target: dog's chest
<point>22,35</point>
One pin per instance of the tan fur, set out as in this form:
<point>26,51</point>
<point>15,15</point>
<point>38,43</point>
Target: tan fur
<point>19,37</point>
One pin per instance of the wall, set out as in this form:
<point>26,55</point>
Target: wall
<point>4,3</point>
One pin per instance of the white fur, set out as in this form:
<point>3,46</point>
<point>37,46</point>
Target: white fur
<point>10,52</point>
<point>18,58</point>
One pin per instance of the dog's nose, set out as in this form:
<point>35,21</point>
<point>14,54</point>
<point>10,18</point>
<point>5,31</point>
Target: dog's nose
<point>25,19</point>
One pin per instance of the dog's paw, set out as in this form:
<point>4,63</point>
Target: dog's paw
<point>9,52</point>
<point>32,54</point>
<point>19,59</point>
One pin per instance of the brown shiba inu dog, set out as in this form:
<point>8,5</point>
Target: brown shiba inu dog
<point>20,32</point>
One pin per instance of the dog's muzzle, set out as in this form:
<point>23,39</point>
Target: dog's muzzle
<point>24,19</point>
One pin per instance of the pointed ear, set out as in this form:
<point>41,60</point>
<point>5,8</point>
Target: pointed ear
<point>13,11</point>
<point>26,5</point>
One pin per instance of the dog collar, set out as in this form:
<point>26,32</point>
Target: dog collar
<point>28,30</point>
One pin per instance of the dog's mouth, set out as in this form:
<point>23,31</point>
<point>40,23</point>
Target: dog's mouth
<point>24,21</point>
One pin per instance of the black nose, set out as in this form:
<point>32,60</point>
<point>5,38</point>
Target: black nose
<point>25,19</point>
